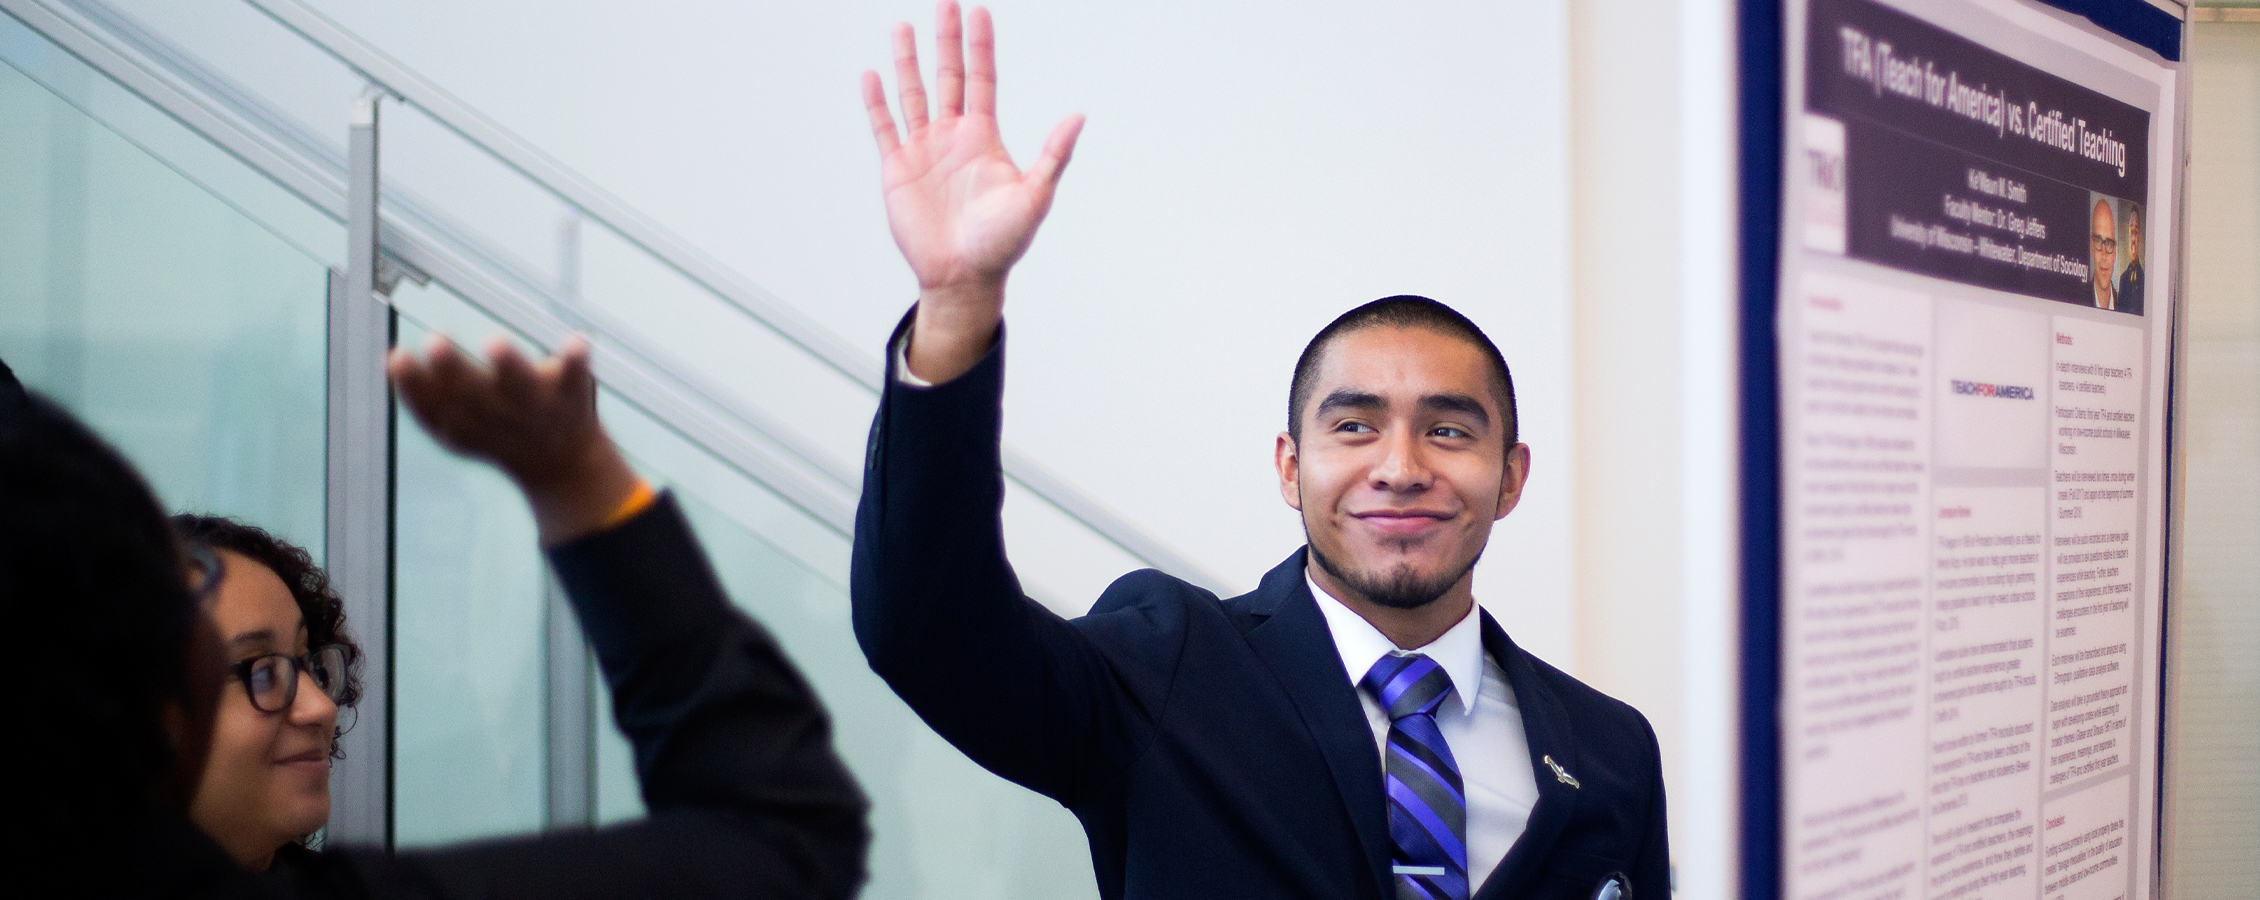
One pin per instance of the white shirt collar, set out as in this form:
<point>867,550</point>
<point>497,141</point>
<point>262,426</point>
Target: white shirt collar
<point>1459,651</point>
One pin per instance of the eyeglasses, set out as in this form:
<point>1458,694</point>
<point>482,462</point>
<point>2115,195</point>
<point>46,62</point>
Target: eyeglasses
<point>2104,243</point>
<point>272,680</point>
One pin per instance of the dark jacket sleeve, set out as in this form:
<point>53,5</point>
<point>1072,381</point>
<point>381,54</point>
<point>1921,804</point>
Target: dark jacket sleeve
<point>734,754</point>
<point>940,614</point>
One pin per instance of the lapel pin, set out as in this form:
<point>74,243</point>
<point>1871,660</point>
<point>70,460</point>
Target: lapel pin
<point>1560,774</point>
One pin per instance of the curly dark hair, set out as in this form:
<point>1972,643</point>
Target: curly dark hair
<point>318,602</point>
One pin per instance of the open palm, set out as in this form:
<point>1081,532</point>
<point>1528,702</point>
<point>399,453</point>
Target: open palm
<point>536,419</point>
<point>961,211</point>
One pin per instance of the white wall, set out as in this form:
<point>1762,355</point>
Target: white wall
<point>1652,245</point>
<point>2213,687</point>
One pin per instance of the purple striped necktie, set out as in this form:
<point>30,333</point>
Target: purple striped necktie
<point>1427,804</point>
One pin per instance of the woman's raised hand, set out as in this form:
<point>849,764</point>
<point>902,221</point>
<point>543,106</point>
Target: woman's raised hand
<point>534,419</point>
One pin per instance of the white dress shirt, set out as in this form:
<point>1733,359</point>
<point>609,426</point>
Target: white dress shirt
<point>1485,734</point>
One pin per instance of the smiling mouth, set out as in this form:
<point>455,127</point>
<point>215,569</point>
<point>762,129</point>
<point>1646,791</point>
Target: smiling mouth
<point>310,757</point>
<point>1401,522</point>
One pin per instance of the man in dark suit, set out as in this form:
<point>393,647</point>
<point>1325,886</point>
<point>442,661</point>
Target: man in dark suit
<point>1357,726</point>
<point>2131,281</point>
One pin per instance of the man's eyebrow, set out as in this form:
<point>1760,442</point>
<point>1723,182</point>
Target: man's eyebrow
<point>1349,399</point>
<point>1457,403</point>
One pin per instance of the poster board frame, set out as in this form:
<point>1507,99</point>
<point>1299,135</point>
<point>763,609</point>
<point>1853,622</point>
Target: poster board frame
<point>1763,123</point>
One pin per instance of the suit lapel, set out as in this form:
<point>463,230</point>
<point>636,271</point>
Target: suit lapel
<point>1546,726</point>
<point>1286,630</point>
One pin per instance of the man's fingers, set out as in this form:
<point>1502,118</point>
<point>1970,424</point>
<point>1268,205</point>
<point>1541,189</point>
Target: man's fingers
<point>949,72</point>
<point>882,123</point>
<point>1058,149</point>
<point>981,66</point>
<point>907,80</point>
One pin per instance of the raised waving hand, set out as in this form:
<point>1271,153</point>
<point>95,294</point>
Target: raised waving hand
<point>533,419</point>
<point>960,210</point>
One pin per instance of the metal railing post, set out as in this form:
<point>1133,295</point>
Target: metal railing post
<point>359,535</point>
<point>571,734</point>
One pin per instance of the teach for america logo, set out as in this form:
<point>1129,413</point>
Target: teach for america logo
<point>1983,389</point>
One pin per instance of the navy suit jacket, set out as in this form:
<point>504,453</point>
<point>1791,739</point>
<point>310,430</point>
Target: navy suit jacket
<point>1211,748</point>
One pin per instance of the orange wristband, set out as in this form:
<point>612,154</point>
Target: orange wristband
<point>638,500</point>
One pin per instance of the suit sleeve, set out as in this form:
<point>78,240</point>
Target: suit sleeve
<point>733,752</point>
<point>940,614</point>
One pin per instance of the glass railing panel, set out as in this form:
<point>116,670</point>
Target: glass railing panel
<point>469,637</point>
<point>187,333</point>
<point>434,173</point>
<point>942,827</point>
<point>469,751</point>
<point>253,69</point>
<point>491,214</point>
<point>312,92</point>
<point>1062,563</point>
<point>136,121</point>
<point>729,351</point>
<point>773,558</point>
<point>242,45</point>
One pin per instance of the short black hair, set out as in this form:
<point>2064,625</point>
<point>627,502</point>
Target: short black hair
<point>318,601</point>
<point>1402,311</point>
<point>94,591</point>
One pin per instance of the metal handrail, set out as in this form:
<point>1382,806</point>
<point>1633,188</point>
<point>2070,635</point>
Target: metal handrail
<point>522,156</point>
<point>366,60</point>
<point>205,104</point>
<point>428,244</point>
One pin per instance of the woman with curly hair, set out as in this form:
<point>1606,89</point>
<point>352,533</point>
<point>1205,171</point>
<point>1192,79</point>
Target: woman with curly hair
<point>157,685</point>
<point>266,781</point>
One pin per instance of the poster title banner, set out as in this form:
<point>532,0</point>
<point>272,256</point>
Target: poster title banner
<point>1958,162</point>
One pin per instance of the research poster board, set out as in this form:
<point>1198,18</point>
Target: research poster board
<point>1972,330</point>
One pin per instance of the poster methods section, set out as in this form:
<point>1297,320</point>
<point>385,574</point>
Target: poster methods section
<point>1972,424</point>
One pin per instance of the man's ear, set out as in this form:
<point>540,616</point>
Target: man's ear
<point>1286,457</point>
<point>1511,483</point>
